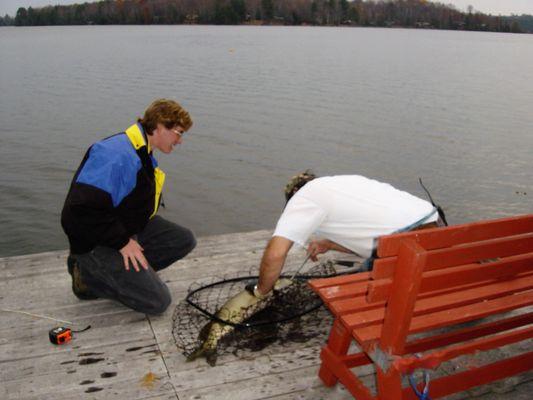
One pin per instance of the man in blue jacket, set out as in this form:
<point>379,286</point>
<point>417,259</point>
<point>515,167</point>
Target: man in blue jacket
<point>117,242</point>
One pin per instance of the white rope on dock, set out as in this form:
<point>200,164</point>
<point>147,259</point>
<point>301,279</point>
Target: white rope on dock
<point>35,315</point>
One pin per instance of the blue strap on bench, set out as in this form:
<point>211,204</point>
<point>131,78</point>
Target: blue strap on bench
<point>424,394</point>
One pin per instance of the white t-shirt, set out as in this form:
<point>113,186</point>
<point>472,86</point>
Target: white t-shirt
<point>350,210</point>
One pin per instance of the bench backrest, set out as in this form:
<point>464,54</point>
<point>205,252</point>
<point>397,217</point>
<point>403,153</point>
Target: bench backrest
<point>448,267</point>
<point>458,255</point>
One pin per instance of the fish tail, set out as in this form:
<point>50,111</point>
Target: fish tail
<point>209,353</point>
<point>199,352</point>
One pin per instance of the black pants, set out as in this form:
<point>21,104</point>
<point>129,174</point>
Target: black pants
<point>102,269</point>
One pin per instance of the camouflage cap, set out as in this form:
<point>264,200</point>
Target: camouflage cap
<point>297,182</point>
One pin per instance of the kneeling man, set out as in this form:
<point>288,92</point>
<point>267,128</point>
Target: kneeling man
<point>117,242</point>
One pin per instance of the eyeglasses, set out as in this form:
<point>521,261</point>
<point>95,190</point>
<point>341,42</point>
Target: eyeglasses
<point>177,132</point>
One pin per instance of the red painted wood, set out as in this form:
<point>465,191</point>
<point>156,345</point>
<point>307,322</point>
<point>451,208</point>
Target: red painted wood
<point>338,344</point>
<point>389,383</point>
<point>451,288</point>
<point>460,275</point>
<point>327,376</point>
<point>383,268</point>
<point>343,364</point>
<point>475,377</point>
<point>450,317</point>
<point>338,280</point>
<point>434,359</point>
<point>339,338</point>
<point>474,332</point>
<point>358,304</point>
<point>332,293</point>
<point>411,260</point>
<point>458,234</point>
<point>464,254</point>
<point>355,360</point>
<point>492,290</point>
<point>345,376</point>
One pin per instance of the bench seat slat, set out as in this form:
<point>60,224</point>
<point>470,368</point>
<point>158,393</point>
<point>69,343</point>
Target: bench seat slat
<point>463,254</point>
<point>339,280</point>
<point>450,317</point>
<point>492,290</point>
<point>434,359</point>
<point>355,304</point>
<point>332,293</point>
<point>464,380</point>
<point>378,290</point>
<point>458,234</point>
<point>468,333</point>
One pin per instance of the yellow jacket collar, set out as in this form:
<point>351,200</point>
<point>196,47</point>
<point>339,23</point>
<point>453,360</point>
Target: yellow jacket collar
<point>137,137</point>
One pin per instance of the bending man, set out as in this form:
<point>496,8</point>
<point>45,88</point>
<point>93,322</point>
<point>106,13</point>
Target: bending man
<point>347,212</point>
<point>117,242</point>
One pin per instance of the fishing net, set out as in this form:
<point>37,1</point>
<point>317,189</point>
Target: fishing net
<point>294,314</point>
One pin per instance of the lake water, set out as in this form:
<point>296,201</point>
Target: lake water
<point>454,108</point>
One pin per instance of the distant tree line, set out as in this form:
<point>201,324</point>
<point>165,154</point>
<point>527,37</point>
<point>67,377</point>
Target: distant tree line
<point>525,22</point>
<point>383,13</point>
<point>6,21</point>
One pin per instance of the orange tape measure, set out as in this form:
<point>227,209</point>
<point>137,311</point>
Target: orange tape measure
<point>62,335</point>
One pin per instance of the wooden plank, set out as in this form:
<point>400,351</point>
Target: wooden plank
<point>476,376</point>
<point>492,290</point>
<point>457,336</point>
<point>350,305</point>
<point>50,289</point>
<point>469,333</point>
<point>457,276</point>
<point>458,234</point>
<point>464,254</point>
<point>321,283</point>
<point>399,311</point>
<point>407,365</point>
<point>354,305</point>
<point>265,386</point>
<point>55,377</point>
<point>449,317</point>
<point>31,342</point>
<point>332,293</point>
<point>208,246</point>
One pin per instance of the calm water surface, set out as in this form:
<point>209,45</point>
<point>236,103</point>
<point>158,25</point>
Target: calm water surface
<point>452,107</point>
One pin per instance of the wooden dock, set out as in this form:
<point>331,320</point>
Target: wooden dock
<point>128,355</point>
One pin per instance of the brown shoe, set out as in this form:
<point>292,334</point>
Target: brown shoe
<point>80,289</point>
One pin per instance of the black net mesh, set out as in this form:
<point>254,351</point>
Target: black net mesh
<point>294,314</point>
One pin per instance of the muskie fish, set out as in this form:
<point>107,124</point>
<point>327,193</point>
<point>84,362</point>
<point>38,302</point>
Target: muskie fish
<point>236,310</point>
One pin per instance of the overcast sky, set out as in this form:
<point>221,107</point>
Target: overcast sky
<point>503,7</point>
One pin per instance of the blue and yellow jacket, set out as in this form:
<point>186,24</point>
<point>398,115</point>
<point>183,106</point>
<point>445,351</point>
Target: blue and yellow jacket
<point>115,191</point>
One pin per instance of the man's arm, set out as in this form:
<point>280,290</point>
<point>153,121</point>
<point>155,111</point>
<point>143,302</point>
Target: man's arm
<point>317,247</point>
<point>272,263</point>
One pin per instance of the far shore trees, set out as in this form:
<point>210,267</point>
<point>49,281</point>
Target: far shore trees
<point>381,13</point>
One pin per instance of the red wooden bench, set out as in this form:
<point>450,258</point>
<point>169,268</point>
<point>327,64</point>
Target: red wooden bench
<point>425,280</point>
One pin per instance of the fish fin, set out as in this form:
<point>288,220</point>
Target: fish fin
<point>204,332</point>
<point>202,337</point>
